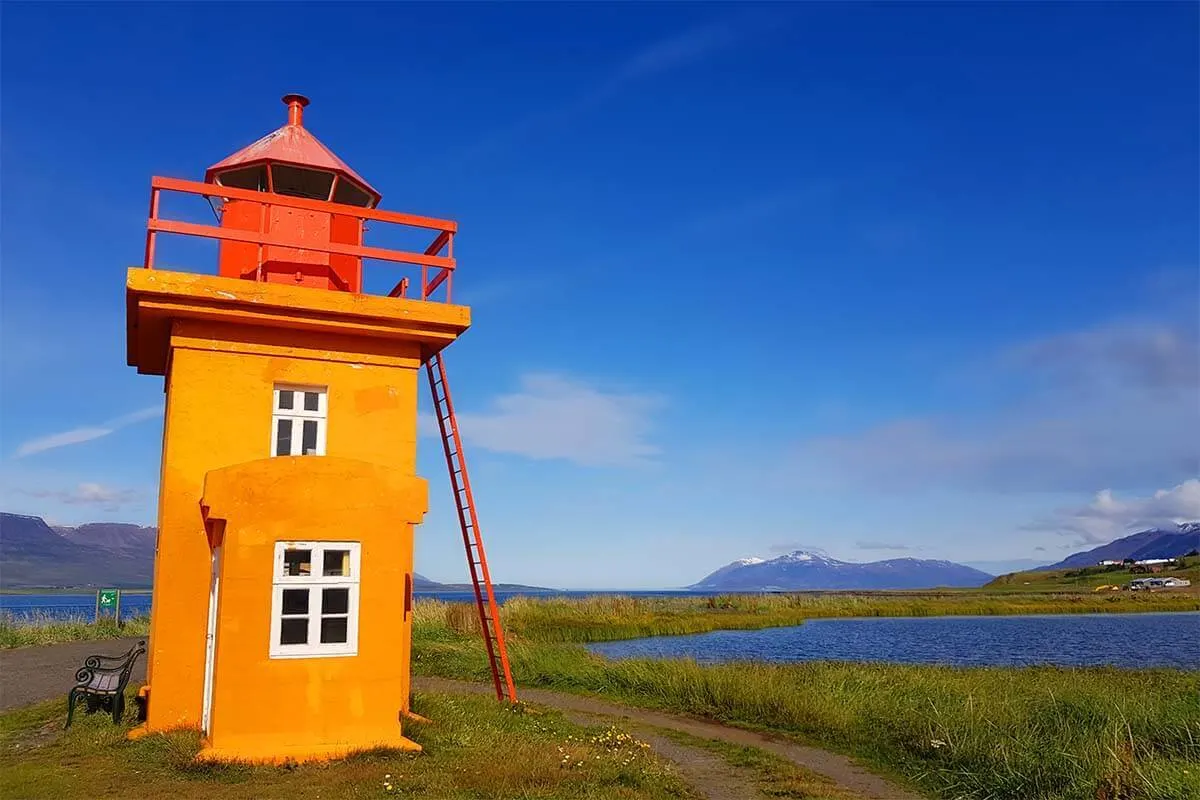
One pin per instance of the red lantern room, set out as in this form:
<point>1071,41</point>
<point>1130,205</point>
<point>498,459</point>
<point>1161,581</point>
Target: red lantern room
<point>291,161</point>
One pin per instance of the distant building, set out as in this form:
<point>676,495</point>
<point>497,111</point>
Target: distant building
<point>1145,562</point>
<point>1158,583</point>
<point>1108,562</point>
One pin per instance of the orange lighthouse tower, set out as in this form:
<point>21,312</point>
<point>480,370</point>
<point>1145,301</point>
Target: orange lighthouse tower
<point>282,609</point>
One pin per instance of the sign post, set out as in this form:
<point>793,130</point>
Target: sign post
<point>109,599</point>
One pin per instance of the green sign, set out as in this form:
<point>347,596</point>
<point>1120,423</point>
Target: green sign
<point>108,598</point>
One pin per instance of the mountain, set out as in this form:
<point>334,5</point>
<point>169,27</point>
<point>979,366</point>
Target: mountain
<point>35,555</point>
<point>804,570</point>
<point>1153,543</point>
<point>115,536</point>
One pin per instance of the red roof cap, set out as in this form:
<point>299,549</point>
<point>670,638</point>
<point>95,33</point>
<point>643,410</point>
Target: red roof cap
<point>291,144</point>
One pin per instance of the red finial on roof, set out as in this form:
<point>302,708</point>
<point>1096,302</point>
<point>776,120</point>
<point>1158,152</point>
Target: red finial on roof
<point>295,104</point>
<point>293,144</point>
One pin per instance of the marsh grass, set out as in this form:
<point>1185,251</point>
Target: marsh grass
<point>613,617</point>
<point>474,748</point>
<point>1035,733</point>
<point>38,629</point>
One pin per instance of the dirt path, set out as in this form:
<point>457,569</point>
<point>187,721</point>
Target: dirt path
<point>837,767</point>
<point>33,674</point>
<point>707,773</point>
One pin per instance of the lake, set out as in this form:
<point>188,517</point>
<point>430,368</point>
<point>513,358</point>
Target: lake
<point>1121,640</point>
<point>137,602</point>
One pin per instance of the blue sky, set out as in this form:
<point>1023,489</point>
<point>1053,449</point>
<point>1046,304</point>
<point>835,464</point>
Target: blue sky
<point>883,280</point>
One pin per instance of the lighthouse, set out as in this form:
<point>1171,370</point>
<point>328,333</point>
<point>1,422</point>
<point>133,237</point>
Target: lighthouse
<point>283,582</point>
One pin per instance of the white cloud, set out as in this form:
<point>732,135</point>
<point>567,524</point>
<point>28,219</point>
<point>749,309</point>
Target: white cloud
<point>85,433</point>
<point>89,494</point>
<point>673,52</point>
<point>556,417</point>
<point>1107,517</point>
<point>877,545</point>
<point>1117,406</point>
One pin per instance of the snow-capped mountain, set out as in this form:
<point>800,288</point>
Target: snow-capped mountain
<point>802,569</point>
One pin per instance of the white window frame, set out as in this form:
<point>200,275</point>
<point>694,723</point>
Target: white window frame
<point>298,416</point>
<point>315,583</point>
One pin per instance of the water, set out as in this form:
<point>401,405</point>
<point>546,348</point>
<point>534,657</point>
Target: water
<point>1121,640</point>
<point>67,606</point>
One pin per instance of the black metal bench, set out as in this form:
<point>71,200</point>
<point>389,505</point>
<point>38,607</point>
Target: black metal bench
<point>101,682</point>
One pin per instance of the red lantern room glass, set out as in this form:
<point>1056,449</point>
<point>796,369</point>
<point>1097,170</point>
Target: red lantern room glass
<point>291,161</point>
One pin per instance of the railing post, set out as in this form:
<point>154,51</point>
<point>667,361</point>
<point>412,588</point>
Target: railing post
<point>150,239</point>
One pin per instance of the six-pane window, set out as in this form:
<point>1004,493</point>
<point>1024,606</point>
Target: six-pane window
<point>314,599</point>
<point>298,421</point>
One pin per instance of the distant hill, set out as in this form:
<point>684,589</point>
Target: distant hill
<point>113,536</point>
<point>803,570</point>
<point>1153,543</point>
<point>34,555</point>
<point>1087,578</point>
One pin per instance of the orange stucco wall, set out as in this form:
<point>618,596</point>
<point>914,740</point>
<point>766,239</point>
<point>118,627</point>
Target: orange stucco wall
<point>271,709</point>
<point>219,414</point>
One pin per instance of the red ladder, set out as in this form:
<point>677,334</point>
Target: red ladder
<point>485,598</point>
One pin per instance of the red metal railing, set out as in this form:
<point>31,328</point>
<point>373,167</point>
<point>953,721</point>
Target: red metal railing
<point>431,258</point>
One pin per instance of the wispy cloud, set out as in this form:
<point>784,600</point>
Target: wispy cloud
<point>684,48</point>
<point>876,545</point>
<point>1111,406</point>
<point>84,434</point>
<point>89,494</point>
<point>559,417</point>
<point>1107,517</point>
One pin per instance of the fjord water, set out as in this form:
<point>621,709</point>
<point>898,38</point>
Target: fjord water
<point>1120,640</point>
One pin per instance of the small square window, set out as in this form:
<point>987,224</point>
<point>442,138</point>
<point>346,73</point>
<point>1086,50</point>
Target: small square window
<point>334,630</point>
<point>293,630</point>
<point>314,599</point>
<point>295,601</point>
<point>297,562</point>
<point>298,423</point>
<point>337,563</point>
<point>334,601</point>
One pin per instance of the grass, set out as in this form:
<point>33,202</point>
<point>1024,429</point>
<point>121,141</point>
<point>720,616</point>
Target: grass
<point>41,629</point>
<point>1036,733</point>
<point>1088,578</point>
<point>475,748</point>
<point>613,617</point>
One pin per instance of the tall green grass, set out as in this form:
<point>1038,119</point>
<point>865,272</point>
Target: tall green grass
<point>611,617</point>
<point>1039,733</point>
<point>38,629</point>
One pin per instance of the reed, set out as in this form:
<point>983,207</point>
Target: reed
<point>38,628</point>
<point>1038,732</point>
<point>612,617</point>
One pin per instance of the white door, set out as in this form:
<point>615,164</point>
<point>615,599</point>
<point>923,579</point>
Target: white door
<point>210,641</point>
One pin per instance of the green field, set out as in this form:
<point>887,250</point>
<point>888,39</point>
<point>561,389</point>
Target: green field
<point>476,748</point>
<point>1037,733</point>
<point>1087,578</point>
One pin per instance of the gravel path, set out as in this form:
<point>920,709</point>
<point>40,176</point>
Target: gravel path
<point>838,768</point>
<point>33,674</point>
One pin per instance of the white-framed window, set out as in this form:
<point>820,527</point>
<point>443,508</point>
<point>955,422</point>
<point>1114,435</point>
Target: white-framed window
<point>298,420</point>
<point>314,599</point>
